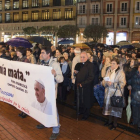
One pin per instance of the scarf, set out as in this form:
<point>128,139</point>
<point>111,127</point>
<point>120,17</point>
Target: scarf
<point>64,67</point>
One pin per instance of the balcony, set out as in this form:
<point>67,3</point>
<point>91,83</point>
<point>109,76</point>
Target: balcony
<point>106,11</point>
<point>81,25</point>
<point>81,12</point>
<point>136,10</point>
<point>95,0</point>
<point>6,9</point>
<point>81,1</point>
<point>95,11</point>
<point>25,7</point>
<point>108,26</point>
<point>122,26</point>
<point>68,18</point>
<point>123,10</point>
<point>136,26</point>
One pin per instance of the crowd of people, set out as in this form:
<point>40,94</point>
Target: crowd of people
<point>83,69</point>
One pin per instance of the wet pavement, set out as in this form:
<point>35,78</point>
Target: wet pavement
<point>13,127</point>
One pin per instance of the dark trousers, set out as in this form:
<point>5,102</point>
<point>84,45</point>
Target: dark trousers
<point>115,120</point>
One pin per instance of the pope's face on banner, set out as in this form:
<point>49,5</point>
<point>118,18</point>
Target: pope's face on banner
<point>39,92</point>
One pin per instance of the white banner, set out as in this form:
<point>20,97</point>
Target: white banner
<point>30,88</point>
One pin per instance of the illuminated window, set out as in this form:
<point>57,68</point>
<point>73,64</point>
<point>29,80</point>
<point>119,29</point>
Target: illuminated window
<point>35,15</point>
<point>25,4</point>
<point>68,13</point>
<point>35,3</point>
<point>56,14</point>
<point>7,5</point>
<point>45,15</point>
<point>45,2</point>
<point>16,17</point>
<point>0,5</point>
<point>25,16</point>
<point>16,4</point>
<point>138,21</point>
<point>7,17</point>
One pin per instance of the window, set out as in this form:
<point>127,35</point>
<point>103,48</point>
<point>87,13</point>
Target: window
<point>25,16</point>
<point>56,14</point>
<point>35,3</point>
<point>124,7</point>
<point>45,15</point>
<point>82,9</point>
<point>24,3</point>
<point>95,8</point>
<point>16,17</point>
<point>109,8</point>
<point>82,21</point>
<point>109,21</point>
<point>56,2</point>
<point>68,2</point>
<point>7,5</point>
<point>68,13</point>
<point>138,21</point>
<point>35,15</point>
<point>123,21</point>
<point>95,21</point>
<point>16,4</point>
<point>7,17</point>
<point>45,2</point>
<point>0,18</point>
<point>138,6</point>
<point>0,5</point>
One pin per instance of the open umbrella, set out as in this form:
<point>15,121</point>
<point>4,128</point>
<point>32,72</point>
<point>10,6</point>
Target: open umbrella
<point>122,43</point>
<point>40,40</point>
<point>128,108</point>
<point>19,42</point>
<point>66,41</point>
<point>127,47</point>
<point>81,46</point>
<point>137,45</point>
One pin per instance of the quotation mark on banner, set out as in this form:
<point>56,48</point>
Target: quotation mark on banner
<point>27,73</point>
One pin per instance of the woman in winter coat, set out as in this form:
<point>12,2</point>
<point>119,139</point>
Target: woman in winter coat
<point>66,74</point>
<point>129,73</point>
<point>134,84</point>
<point>116,83</point>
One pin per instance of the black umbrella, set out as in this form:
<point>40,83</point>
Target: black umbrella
<point>40,40</point>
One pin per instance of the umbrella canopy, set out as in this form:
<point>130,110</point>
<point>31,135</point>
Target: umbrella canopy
<point>114,46</point>
<point>128,109</point>
<point>81,46</point>
<point>127,47</point>
<point>19,42</point>
<point>137,45</point>
<point>122,43</point>
<point>65,41</point>
<point>40,40</point>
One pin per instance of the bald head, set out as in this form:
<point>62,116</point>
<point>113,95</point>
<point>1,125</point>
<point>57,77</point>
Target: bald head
<point>84,57</point>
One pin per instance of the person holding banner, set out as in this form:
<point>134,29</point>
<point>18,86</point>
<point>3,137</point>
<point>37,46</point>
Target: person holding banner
<point>58,77</point>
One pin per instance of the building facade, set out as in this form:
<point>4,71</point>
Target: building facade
<point>120,17</point>
<point>18,14</point>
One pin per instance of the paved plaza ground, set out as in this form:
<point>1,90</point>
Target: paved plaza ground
<point>13,127</point>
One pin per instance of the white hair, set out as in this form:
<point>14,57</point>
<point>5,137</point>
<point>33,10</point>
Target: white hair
<point>77,50</point>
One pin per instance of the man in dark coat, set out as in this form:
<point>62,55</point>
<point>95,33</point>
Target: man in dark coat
<point>85,79</point>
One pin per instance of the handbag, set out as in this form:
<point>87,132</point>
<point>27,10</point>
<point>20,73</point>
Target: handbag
<point>117,101</point>
<point>137,96</point>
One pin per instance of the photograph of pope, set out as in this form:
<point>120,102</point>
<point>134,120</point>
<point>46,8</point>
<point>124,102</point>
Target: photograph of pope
<point>41,102</point>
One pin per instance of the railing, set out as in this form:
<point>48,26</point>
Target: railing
<point>123,10</point>
<point>109,25</point>
<point>80,12</point>
<point>136,10</point>
<point>136,26</point>
<point>106,11</point>
<point>95,11</point>
<point>95,0</point>
<point>122,26</point>
<point>81,25</point>
<point>78,1</point>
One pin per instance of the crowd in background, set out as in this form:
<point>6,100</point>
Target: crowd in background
<point>122,66</point>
